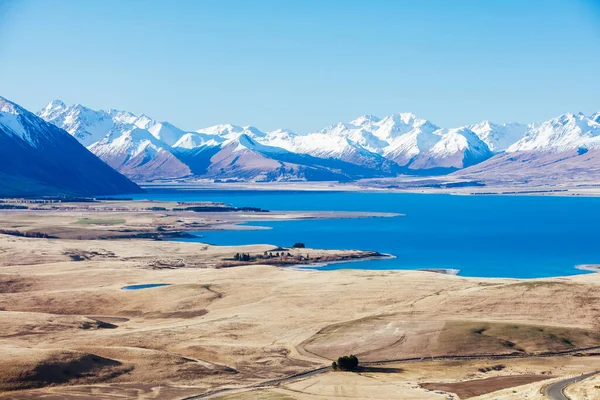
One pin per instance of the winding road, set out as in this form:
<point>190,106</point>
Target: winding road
<point>556,391</point>
<point>550,390</point>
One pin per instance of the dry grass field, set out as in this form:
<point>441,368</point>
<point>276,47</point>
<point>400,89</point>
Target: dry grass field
<point>68,330</point>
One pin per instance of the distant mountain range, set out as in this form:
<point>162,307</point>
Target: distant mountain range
<point>37,158</point>
<point>148,150</point>
<point>40,153</point>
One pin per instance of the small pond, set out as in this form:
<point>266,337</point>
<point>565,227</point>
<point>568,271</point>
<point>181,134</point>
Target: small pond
<point>144,286</point>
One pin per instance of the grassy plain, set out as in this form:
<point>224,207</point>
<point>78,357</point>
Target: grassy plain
<point>67,330</point>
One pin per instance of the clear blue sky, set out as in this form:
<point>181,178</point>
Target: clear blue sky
<point>305,64</point>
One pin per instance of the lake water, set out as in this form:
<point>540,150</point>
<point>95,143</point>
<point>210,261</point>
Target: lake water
<point>483,236</point>
<point>144,286</point>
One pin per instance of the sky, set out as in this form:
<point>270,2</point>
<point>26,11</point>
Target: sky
<point>304,65</point>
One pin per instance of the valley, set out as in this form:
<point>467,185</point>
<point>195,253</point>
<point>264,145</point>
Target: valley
<point>299,200</point>
<point>69,330</point>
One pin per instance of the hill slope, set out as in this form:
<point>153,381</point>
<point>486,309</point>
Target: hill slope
<point>37,158</point>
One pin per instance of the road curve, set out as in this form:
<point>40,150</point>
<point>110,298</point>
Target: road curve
<point>324,369</point>
<point>556,391</point>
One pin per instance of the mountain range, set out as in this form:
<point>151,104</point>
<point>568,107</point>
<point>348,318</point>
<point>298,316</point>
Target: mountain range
<point>37,158</point>
<point>144,149</point>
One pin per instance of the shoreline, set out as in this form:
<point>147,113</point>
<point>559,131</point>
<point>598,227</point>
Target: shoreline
<point>388,185</point>
<point>588,267</point>
<point>315,266</point>
<point>382,257</point>
<point>180,226</point>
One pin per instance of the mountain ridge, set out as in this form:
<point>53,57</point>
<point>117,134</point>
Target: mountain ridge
<point>367,146</point>
<point>39,158</point>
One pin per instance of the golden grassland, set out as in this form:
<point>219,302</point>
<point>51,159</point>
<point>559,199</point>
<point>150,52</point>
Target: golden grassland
<point>67,330</point>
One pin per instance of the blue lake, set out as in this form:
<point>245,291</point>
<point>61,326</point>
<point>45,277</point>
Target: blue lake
<point>144,286</point>
<point>484,236</point>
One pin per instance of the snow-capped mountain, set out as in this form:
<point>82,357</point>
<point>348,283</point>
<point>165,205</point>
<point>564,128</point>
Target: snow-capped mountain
<point>457,148</point>
<point>569,131</point>
<point>38,158</point>
<point>163,131</point>
<point>90,126</point>
<point>403,149</point>
<point>228,131</point>
<point>388,144</point>
<point>561,149</point>
<point>343,142</point>
<point>244,158</point>
<point>138,154</point>
<point>368,146</point>
<point>399,124</point>
<point>195,139</point>
<point>137,146</point>
<point>86,125</point>
<point>498,137</point>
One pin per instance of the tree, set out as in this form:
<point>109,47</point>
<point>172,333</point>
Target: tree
<point>299,245</point>
<point>242,257</point>
<point>346,363</point>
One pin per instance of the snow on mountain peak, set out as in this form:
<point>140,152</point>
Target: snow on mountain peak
<point>221,130</point>
<point>498,137</point>
<point>17,121</point>
<point>568,131</point>
<point>192,140</point>
<point>281,132</point>
<point>126,139</point>
<point>245,142</point>
<point>54,106</point>
<point>400,139</point>
<point>365,120</point>
<point>406,117</point>
<point>230,131</point>
<point>8,106</point>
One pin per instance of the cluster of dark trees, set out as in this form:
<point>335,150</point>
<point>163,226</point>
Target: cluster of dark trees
<point>346,363</point>
<point>278,254</point>
<point>241,257</point>
<point>266,255</point>
<point>299,245</point>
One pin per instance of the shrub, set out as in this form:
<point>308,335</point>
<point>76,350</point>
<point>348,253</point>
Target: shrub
<point>497,367</point>
<point>299,245</point>
<point>346,363</point>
